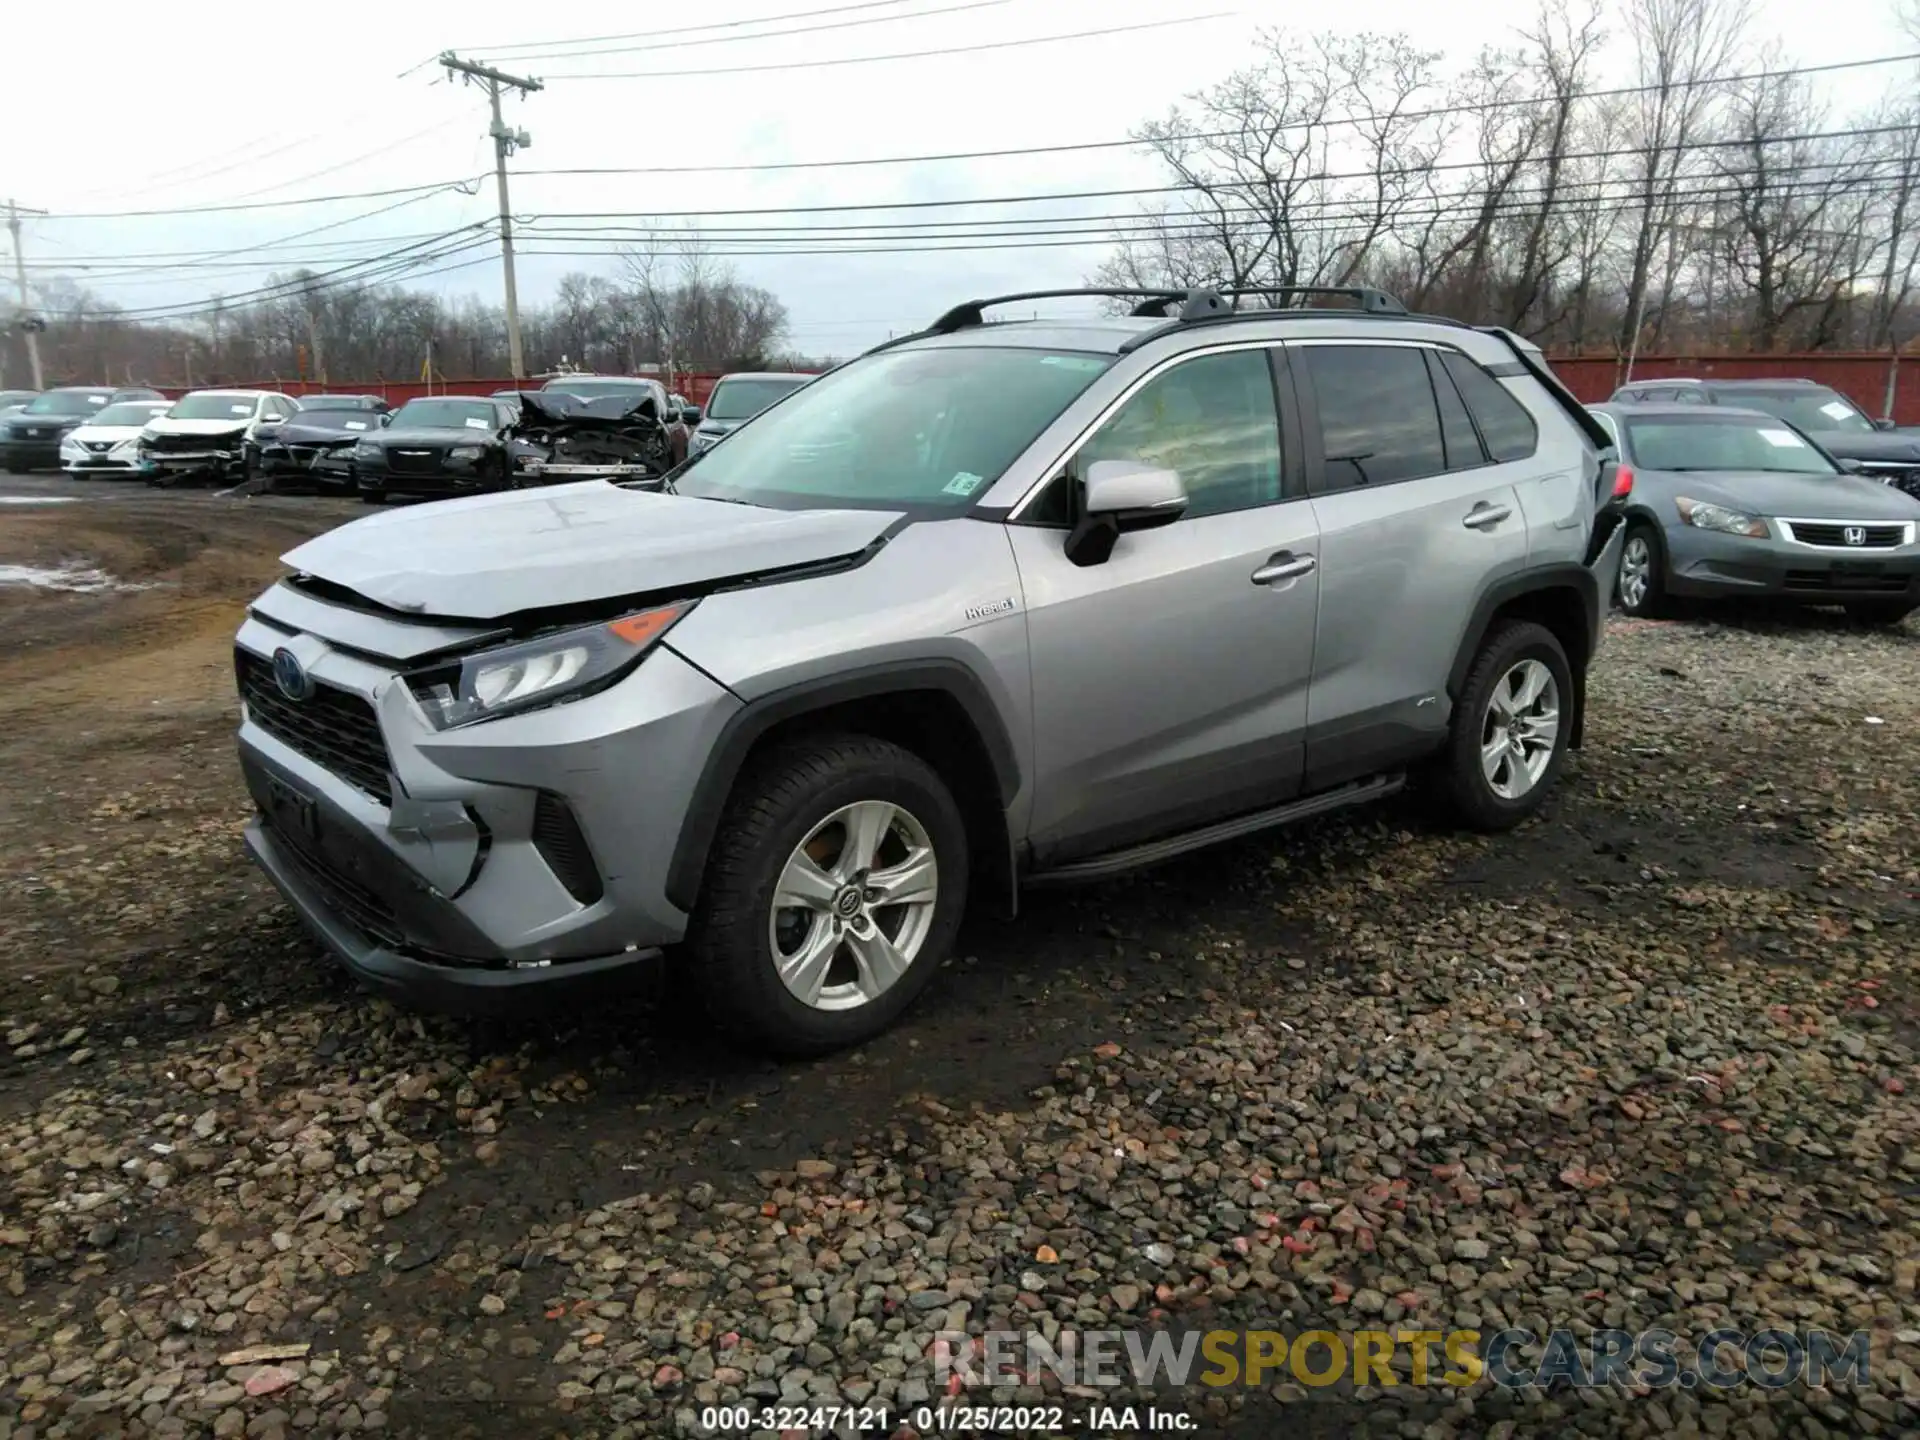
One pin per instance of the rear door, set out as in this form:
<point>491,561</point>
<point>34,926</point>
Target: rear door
<point>1415,520</point>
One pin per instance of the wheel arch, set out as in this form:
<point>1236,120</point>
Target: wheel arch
<point>937,708</point>
<point>1565,599</point>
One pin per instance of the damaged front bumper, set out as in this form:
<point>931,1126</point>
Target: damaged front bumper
<point>459,869</point>
<point>164,465</point>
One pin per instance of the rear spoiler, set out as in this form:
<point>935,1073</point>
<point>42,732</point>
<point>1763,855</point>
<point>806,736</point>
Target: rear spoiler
<point>1529,360</point>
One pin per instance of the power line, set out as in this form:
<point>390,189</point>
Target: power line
<point>898,55</point>
<point>505,50</point>
<point>1136,143</point>
<point>461,184</point>
<point>764,35</point>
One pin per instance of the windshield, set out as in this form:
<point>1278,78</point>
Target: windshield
<point>67,402</point>
<point>135,412</point>
<point>212,407</point>
<point>904,427</point>
<point>739,399</point>
<point>1816,409</point>
<point>1723,445</point>
<point>444,415</point>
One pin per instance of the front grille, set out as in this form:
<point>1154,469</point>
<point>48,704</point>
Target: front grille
<point>414,462</point>
<point>98,447</point>
<point>1834,533</point>
<point>344,895</point>
<point>189,444</point>
<point>558,838</point>
<point>1845,581</point>
<point>331,727</point>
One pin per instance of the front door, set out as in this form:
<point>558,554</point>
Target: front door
<point>1170,681</point>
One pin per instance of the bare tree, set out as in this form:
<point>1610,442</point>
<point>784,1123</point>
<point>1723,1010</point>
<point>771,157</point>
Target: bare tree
<point>1678,45</point>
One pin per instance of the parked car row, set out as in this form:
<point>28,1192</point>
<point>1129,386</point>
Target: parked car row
<point>1781,490</point>
<point>571,427</point>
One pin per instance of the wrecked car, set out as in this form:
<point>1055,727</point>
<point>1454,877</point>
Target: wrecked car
<point>205,434</point>
<point>632,388</point>
<point>464,444</point>
<point>316,443</point>
<point>575,437</point>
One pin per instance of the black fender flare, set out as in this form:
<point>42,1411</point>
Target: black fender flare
<point>951,678</point>
<point>1565,575</point>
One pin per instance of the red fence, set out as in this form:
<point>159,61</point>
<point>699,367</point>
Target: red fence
<point>1860,377</point>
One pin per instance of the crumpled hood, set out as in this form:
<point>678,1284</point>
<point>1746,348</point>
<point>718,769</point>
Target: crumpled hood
<point>482,557</point>
<point>1869,444</point>
<point>322,425</point>
<point>163,426</point>
<point>1800,497</point>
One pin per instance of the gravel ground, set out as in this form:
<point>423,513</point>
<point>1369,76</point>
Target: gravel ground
<point>1646,1062</point>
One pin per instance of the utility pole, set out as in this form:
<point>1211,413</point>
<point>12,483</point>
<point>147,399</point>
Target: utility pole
<point>14,211</point>
<point>505,142</point>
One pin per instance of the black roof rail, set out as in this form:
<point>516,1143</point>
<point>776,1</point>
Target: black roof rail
<point>972,313</point>
<point>1374,302</point>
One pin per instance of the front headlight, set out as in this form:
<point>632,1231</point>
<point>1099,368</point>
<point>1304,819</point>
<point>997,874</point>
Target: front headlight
<point>71,446</point>
<point>126,447</point>
<point>366,450</point>
<point>553,669</point>
<point>1705,516</point>
<point>466,452</point>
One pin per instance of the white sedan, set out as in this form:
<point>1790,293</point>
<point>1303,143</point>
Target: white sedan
<point>108,444</point>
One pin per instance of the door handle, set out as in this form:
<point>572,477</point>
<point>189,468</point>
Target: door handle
<point>1484,516</point>
<point>1284,566</point>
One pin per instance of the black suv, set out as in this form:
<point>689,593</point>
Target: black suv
<point>1837,425</point>
<point>31,436</point>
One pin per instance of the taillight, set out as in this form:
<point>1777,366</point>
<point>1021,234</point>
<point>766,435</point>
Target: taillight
<point>1622,481</point>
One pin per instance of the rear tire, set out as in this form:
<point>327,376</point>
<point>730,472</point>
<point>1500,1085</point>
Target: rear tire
<point>1509,736</point>
<point>1641,589</point>
<point>1880,614</point>
<point>793,946</point>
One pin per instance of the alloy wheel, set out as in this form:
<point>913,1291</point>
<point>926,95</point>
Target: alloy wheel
<point>1521,729</point>
<point>853,905</point>
<point>1636,572</point>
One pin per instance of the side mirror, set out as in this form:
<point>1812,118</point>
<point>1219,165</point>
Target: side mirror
<point>1848,464</point>
<point>1883,424</point>
<point>386,417</point>
<point>690,415</point>
<point>1119,497</point>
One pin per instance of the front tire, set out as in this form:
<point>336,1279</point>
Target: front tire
<point>1880,614</point>
<point>1641,588</point>
<point>1510,730</point>
<point>832,894</point>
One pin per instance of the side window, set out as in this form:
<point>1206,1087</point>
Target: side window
<point>1378,420</point>
<point>1505,425</point>
<point>1689,396</point>
<point>1456,426</point>
<point>1213,420</point>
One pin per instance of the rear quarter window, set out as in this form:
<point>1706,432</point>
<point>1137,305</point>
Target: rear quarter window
<point>1508,430</point>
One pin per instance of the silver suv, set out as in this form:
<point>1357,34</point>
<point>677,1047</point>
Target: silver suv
<point>991,605</point>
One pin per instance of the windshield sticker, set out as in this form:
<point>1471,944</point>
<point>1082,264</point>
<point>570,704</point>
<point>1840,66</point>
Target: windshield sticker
<point>241,409</point>
<point>965,483</point>
<point>1785,439</point>
<point>1075,362</point>
<point>96,399</point>
<point>473,424</point>
<point>1837,410</point>
<point>356,424</point>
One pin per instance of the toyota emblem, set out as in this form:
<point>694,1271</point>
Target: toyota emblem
<point>291,676</point>
<point>1854,535</point>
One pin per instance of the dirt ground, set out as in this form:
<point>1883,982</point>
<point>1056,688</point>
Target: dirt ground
<point>1689,987</point>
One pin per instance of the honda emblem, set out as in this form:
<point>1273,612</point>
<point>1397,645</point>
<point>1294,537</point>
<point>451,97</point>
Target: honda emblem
<point>1854,534</point>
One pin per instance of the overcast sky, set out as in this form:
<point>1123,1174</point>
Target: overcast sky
<point>226,103</point>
